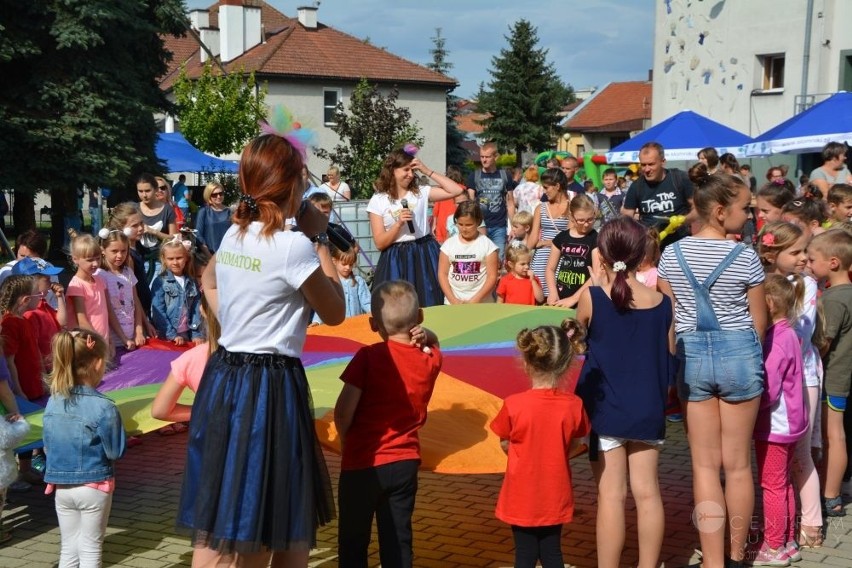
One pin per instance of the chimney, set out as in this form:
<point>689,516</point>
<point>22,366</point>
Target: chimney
<point>199,19</point>
<point>210,38</point>
<point>307,17</point>
<point>239,28</point>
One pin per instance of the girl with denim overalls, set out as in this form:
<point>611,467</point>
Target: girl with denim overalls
<point>175,306</point>
<point>720,317</point>
<point>83,437</point>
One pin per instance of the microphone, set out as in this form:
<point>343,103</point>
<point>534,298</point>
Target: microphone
<point>404,204</point>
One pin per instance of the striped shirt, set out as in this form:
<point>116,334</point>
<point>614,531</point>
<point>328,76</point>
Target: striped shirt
<point>728,295</point>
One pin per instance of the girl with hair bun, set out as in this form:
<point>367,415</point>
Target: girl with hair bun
<point>539,429</point>
<point>720,317</point>
<point>624,384</point>
<point>808,212</point>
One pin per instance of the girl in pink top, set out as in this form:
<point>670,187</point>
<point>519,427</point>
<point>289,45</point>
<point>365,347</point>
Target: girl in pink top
<point>88,295</point>
<point>186,372</point>
<point>781,422</point>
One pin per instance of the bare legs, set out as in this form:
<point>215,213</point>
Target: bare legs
<point>207,558</point>
<point>719,436</point>
<point>835,456</point>
<point>639,462</point>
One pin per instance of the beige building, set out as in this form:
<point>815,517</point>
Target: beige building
<point>309,67</point>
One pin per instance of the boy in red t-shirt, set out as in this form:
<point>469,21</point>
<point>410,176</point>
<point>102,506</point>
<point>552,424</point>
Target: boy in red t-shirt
<point>378,414</point>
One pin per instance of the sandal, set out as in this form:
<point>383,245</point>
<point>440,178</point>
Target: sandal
<point>810,537</point>
<point>834,507</point>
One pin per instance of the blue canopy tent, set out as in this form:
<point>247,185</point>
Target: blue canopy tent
<point>180,156</point>
<point>682,136</point>
<point>808,131</point>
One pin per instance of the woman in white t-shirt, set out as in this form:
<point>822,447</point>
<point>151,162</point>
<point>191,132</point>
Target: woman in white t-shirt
<point>336,189</point>
<point>399,222</point>
<point>252,412</point>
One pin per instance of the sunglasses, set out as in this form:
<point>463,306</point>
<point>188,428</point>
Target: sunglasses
<point>37,295</point>
<point>217,194</point>
<point>162,187</point>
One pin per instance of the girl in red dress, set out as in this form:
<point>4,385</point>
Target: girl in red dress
<point>538,429</point>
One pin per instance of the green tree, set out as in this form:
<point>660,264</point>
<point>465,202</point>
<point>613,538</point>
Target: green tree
<point>219,112</point>
<point>524,95</point>
<point>456,154</point>
<point>369,131</point>
<point>79,95</point>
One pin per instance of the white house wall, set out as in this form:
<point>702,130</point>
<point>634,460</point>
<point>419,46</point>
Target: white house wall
<point>707,57</point>
<point>305,101</point>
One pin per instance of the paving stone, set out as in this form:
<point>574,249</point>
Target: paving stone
<point>453,521</point>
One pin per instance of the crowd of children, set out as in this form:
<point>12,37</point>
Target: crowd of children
<point>756,340</point>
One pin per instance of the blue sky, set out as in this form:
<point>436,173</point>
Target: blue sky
<point>590,43</point>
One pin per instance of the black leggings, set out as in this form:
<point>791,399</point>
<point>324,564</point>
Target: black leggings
<point>538,543</point>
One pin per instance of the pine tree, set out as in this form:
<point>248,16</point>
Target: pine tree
<point>524,96</point>
<point>373,127</point>
<point>79,95</point>
<point>456,154</point>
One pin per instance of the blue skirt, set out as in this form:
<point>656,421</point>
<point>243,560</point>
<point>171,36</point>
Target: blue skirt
<point>255,475</point>
<point>416,262</point>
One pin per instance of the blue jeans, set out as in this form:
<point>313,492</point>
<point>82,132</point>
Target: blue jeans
<point>727,364</point>
<point>498,237</point>
<point>97,219</point>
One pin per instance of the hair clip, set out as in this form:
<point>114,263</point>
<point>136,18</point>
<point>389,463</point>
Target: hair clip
<point>618,266</point>
<point>768,239</point>
<point>410,149</point>
<point>250,202</point>
<point>104,233</point>
<point>176,240</point>
<point>570,333</point>
<point>516,244</point>
<point>282,124</point>
<point>90,342</point>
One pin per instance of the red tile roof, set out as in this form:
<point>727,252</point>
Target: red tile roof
<point>292,51</point>
<point>468,122</point>
<point>619,107</point>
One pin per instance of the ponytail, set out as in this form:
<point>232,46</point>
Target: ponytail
<point>76,354</point>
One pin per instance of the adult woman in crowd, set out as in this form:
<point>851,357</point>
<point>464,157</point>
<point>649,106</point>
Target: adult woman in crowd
<point>158,216</point>
<point>252,412</point>
<point>528,193</point>
<point>399,222</point>
<point>710,158</point>
<point>164,194</point>
<point>335,188</point>
<point>214,218</point>
<point>549,219</point>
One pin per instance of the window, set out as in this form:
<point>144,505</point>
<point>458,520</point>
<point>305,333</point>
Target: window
<point>581,149</point>
<point>773,72</point>
<point>617,140</point>
<point>330,98</point>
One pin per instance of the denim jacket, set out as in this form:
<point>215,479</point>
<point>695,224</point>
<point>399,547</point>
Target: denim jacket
<point>83,436</point>
<point>168,300</point>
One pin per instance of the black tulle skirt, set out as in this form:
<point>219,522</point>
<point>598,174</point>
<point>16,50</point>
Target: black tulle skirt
<point>255,475</point>
<point>416,262</point>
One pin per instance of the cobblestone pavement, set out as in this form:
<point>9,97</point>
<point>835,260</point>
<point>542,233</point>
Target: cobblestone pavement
<point>454,519</point>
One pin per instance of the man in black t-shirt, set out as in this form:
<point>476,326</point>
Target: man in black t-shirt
<point>659,193</point>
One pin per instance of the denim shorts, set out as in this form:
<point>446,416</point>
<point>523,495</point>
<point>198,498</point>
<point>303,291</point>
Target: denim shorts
<point>725,364</point>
